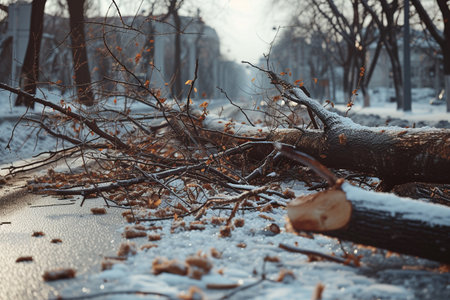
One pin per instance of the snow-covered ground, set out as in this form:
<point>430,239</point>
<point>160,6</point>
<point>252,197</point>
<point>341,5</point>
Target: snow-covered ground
<point>251,256</point>
<point>249,263</point>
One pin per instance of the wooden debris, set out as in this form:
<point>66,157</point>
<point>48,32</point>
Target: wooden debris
<point>215,253</point>
<point>318,291</point>
<point>59,274</point>
<point>239,222</point>
<point>222,286</point>
<point>163,265</point>
<point>127,249</point>
<point>131,234</point>
<point>24,258</point>
<point>98,210</point>
<point>154,237</point>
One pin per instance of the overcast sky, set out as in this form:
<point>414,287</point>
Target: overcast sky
<point>245,27</point>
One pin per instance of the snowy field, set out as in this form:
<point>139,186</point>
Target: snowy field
<point>249,263</point>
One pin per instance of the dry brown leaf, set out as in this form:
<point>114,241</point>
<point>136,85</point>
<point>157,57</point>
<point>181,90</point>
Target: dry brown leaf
<point>163,265</point>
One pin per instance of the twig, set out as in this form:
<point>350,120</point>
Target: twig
<point>232,103</point>
<point>49,205</point>
<point>89,123</point>
<point>242,288</point>
<point>123,183</point>
<point>91,296</point>
<point>316,253</point>
<point>245,287</point>
<point>290,152</point>
<point>210,201</point>
<point>260,170</point>
<point>286,85</point>
<point>188,101</point>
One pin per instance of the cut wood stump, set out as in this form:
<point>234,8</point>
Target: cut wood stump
<point>381,220</point>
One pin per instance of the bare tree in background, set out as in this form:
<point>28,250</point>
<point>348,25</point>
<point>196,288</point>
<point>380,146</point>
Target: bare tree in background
<point>357,33</point>
<point>386,21</point>
<point>82,77</point>
<point>442,40</point>
<point>30,68</point>
<point>177,87</point>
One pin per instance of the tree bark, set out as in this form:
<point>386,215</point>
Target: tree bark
<point>396,155</point>
<point>82,77</point>
<point>377,219</point>
<point>30,68</point>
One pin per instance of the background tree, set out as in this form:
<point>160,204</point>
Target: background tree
<point>386,20</point>
<point>177,88</point>
<point>82,77</point>
<point>353,36</point>
<point>30,68</point>
<point>442,39</point>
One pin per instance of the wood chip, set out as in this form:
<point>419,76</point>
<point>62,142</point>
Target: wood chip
<point>273,259</point>
<point>266,217</point>
<point>24,258</point>
<point>225,231</point>
<point>215,253</point>
<point>239,222</point>
<point>163,265</point>
<point>148,246</point>
<point>222,286</point>
<point>58,274</point>
<point>154,237</point>
<point>126,249</point>
<point>98,210</point>
<point>131,234</point>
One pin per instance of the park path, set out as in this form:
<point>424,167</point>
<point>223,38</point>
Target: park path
<point>86,239</point>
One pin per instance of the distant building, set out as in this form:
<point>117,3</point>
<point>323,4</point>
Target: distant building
<point>146,49</point>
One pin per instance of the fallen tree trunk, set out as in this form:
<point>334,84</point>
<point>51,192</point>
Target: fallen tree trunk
<point>377,219</point>
<point>395,155</point>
